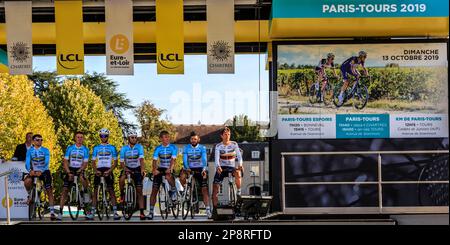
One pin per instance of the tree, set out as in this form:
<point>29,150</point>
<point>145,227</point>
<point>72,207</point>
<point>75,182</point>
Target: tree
<point>243,129</point>
<point>151,124</point>
<point>102,86</point>
<point>22,112</point>
<point>75,107</point>
<point>106,89</point>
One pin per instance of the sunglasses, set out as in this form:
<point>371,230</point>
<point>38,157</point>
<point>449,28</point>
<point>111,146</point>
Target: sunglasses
<point>132,137</point>
<point>104,136</point>
<point>38,140</point>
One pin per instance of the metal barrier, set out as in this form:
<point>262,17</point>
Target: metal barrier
<point>359,210</point>
<point>6,174</point>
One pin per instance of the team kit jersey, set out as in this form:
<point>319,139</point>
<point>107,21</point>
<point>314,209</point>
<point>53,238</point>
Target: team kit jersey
<point>76,155</point>
<point>323,64</point>
<point>226,155</point>
<point>104,154</point>
<point>132,155</point>
<point>165,154</point>
<point>194,156</point>
<point>348,63</point>
<point>37,159</point>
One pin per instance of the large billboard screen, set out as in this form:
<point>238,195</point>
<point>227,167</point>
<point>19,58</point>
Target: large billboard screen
<point>325,93</point>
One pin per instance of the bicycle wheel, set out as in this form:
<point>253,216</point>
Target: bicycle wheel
<point>32,205</point>
<point>328,96</point>
<point>194,200</point>
<point>100,203</point>
<point>175,207</point>
<point>361,97</point>
<point>129,202</point>
<point>40,207</point>
<point>186,202</point>
<point>162,201</point>
<point>232,194</point>
<point>107,204</point>
<point>335,97</point>
<point>313,94</point>
<point>73,202</point>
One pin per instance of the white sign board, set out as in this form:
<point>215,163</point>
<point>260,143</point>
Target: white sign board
<point>16,191</point>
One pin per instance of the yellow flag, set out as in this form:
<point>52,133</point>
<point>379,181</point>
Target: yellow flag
<point>170,36</point>
<point>69,37</point>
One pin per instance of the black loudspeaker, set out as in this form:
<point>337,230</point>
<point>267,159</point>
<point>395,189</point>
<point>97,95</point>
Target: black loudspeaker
<point>253,207</point>
<point>223,213</point>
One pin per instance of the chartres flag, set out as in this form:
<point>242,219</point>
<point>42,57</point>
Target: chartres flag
<point>220,36</point>
<point>18,36</point>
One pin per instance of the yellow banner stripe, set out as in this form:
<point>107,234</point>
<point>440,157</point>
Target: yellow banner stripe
<point>169,36</point>
<point>69,37</point>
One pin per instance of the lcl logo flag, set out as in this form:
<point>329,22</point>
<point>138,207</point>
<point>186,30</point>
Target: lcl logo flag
<point>69,37</point>
<point>119,37</point>
<point>169,36</point>
<point>220,36</point>
<point>18,35</point>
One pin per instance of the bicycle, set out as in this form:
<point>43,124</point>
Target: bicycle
<point>315,93</point>
<point>103,199</point>
<point>166,204</point>
<point>358,91</point>
<point>76,198</point>
<point>37,205</point>
<point>232,189</point>
<point>190,198</point>
<point>129,201</point>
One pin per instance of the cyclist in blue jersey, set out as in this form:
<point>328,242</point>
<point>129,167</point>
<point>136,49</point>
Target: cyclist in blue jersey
<point>166,153</point>
<point>322,75</point>
<point>195,161</point>
<point>37,164</point>
<point>104,160</point>
<point>74,163</point>
<point>132,161</point>
<point>348,67</point>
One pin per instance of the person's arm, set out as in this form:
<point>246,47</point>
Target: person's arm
<point>217,157</point>
<point>86,159</point>
<point>174,157</point>
<point>47,159</point>
<point>115,162</point>
<point>185,158</point>
<point>122,157</point>
<point>28,161</point>
<point>366,72</point>
<point>94,159</point>
<point>204,159</point>
<point>66,160</point>
<point>155,160</point>
<point>141,159</point>
<point>239,155</point>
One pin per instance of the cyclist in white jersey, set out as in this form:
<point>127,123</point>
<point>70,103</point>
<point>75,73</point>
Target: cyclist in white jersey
<point>228,159</point>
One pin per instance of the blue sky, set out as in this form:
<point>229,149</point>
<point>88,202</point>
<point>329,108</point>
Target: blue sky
<point>194,96</point>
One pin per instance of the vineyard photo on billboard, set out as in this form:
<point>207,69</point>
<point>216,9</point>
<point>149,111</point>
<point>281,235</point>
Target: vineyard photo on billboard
<point>404,94</point>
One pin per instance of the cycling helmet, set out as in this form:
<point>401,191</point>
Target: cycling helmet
<point>104,131</point>
<point>362,53</point>
<point>132,133</point>
<point>330,55</point>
